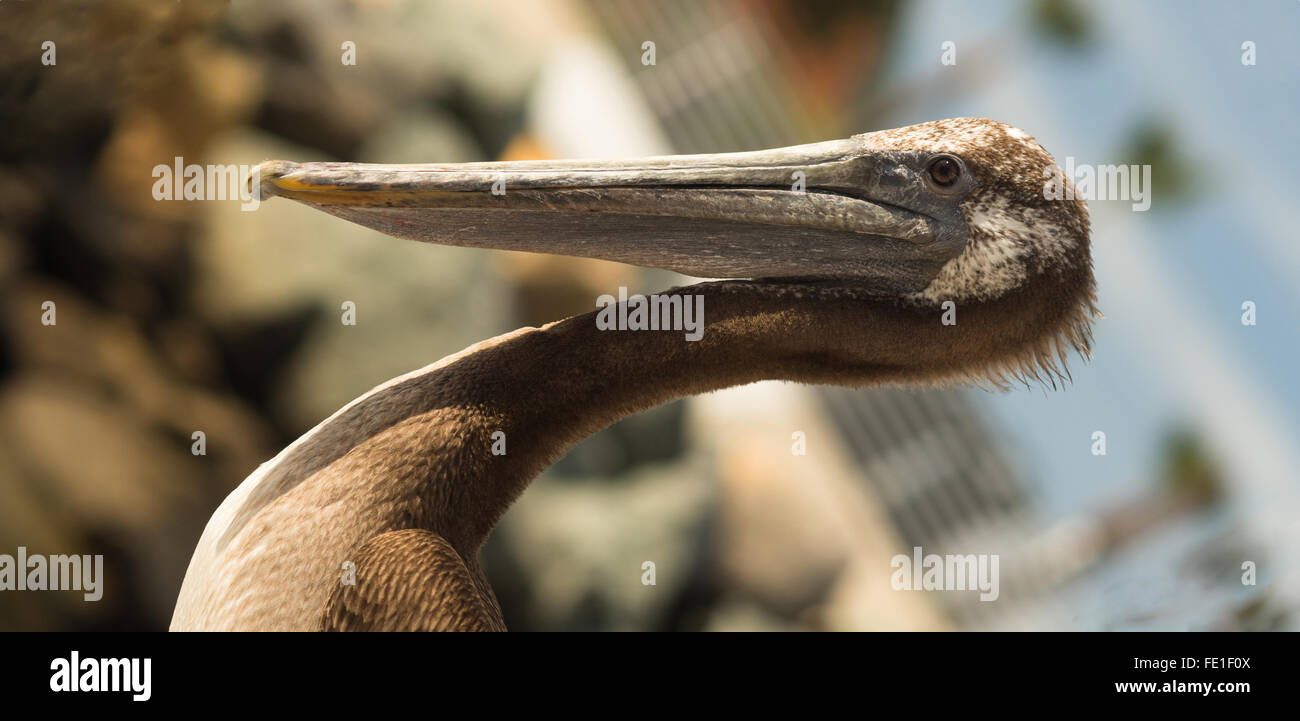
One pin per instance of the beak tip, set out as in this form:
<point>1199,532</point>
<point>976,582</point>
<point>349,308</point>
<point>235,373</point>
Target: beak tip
<point>263,179</point>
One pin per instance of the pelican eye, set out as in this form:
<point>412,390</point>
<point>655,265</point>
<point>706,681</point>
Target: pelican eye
<point>945,170</point>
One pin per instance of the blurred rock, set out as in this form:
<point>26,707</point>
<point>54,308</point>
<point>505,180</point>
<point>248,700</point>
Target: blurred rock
<point>106,53</point>
<point>96,434</point>
<point>420,136</point>
<point>582,545</point>
<point>408,54</point>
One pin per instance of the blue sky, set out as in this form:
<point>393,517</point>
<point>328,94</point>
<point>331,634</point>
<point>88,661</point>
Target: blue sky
<point>1172,349</point>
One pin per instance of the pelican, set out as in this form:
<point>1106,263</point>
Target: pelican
<point>927,255</point>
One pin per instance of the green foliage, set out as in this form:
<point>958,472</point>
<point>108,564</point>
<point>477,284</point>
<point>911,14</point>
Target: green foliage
<point>1063,22</point>
<point>1188,469</point>
<point>1154,142</point>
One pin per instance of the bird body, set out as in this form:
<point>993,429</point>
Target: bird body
<point>401,487</point>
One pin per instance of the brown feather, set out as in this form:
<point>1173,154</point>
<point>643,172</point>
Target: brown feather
<point>412,581</point>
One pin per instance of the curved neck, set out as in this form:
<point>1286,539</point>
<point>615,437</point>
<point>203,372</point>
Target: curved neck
<point>546,389</point>
<point>538,391</point>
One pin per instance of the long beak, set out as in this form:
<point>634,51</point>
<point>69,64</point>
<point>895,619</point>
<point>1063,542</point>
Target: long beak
<point>826,210</point>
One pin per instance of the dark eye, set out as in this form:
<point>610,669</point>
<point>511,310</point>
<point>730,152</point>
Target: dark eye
<point>945,170</point>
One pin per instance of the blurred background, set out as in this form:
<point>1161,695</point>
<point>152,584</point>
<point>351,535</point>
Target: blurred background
<point>176,317</point>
